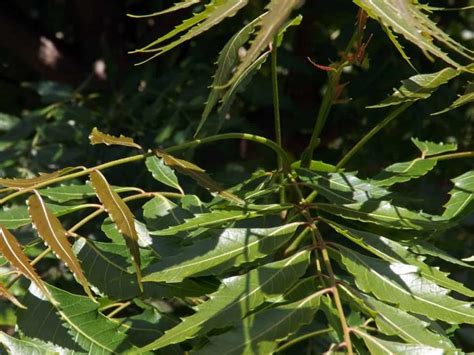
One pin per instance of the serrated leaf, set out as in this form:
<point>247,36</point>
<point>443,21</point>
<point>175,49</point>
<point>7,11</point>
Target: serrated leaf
<point>30,346</point>
<point>211,256</point>
<point>394,252</point>
<point>461,201</point>
<point>391,321</point>
<point>428,148</point>
<point>385,214</point>
<point>261,332</point>
<point>89,330</point>
<point>425,248</point>
<point>410,20</point>
<point>218,218</point>
<point>401,284</point>
<point>162,173</point>
<point>214,13</point>
<point>462,100</point>
<point>178,6</point>
<point>13,252</point>
<point>120,214</point>
<point>270,23</point>
<point>402,172</point>
<point>28,183</point>
<point>98,137</point>
<point>197,174</point>
<point>418,87</point>
<point>67,193</point>
<point>378,346</point>
<point>54,235</point>
<point>342,188</point>
<point>237,296</point>
<point>4,292</point>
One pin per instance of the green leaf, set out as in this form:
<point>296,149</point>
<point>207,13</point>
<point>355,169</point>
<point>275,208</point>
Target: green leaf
<point>461,202</point>
<point>270,23</point>
<point>428,148</point>
<point>402,172</point>
<point>419,87</point>
<point>98,137</point>
<point>197,174</point>
<point>237,296</point>
<point>162,173</point>
<point>261,332</point>
<point>88,329</point>
<point>342,188</point>
<point>462,100</point>
<point>411,329</point>
<point>67,193</point>
<point>378,346</point>
<point>425,248</point>
<point>394,252</point>
<point>121,215</point>
<point>214,13</point>
<point>385,214</point>
<point>410,20</point>
<point>401,284</point>
<point>212,256</point>
<point>178,6</point>
<point>28,183</point>
<point>30,346</point>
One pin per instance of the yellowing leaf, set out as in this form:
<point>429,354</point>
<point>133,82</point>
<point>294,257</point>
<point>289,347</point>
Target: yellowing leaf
<point>97,137</point>
<point>28,183</point>
<point>9,296</point>
<point>13,252</point>
<point>120,215</point>
<point>197,174</point>
<point>53,233</point>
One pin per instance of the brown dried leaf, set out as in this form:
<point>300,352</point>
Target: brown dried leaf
<point>28,183</point>
<point>197,174</point>
<point>121,215</point>
<point>98,137</point>
<point>13,252</point>
<point>9,296</point>
<point>53,234</point>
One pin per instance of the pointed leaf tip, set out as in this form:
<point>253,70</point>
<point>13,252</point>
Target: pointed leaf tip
<point>98,137</point>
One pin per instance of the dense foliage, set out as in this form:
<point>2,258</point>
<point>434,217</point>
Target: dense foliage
<point>335,238</point>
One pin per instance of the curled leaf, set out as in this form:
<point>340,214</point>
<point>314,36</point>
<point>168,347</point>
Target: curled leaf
<point>120,215</point>
<point>98,137</point>
<point>13,252</point>
<point>53,233</point>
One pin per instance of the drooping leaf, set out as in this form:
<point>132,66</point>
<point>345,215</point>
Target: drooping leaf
<point>89,330</point>
<point>120,215</point>
<point>67,193</point>
<point>219,218</point>
<point>461,201</point>
<point>28,183</point>
<point>98,137</point>
<point>428,148</point>
<point>30,346</point>
<point>409,19</point>
<point>462,100</point>
<point>13,252</point>
<point>418,87</point>
<point>214,13</point>
<point>178,6</point>
<point>212,256</point>
<point>54,235</point>
<point>425,248</point>
<point>391,321</point>
<point>385,214</point>
<point>162,173</point>
<point>395,252</point>
<point>270,23</point>
<point>197,174</point>
<point>402,172</point>
<point>401,284</point>
<point>237,296</point>
<point>342,187</point>
<point>261,332</point>
<point>379,346</point>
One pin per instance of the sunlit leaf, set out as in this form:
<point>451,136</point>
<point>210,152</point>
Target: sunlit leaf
<point>402,172</point>
<point>461,201</point>
<point>28,183</point>
<point>428,148</point>
<point>178,6</point>
<point>237,296</point>
<point>162,173</point>
<point>67,193</point>
<point>120,215</point>
<point>54,235</point>
<point>462,100</point>
<point>30,346</point>
<point>97,137</point>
